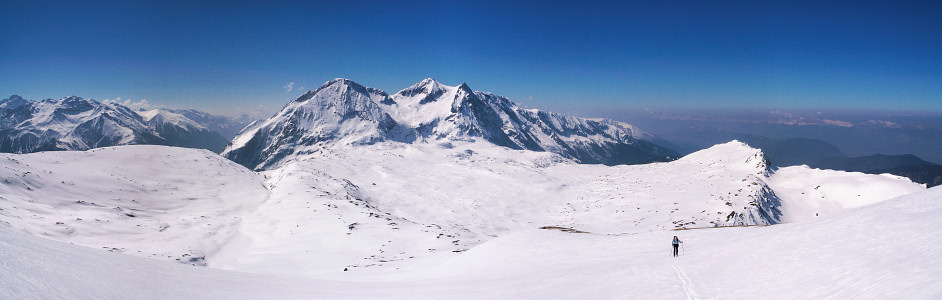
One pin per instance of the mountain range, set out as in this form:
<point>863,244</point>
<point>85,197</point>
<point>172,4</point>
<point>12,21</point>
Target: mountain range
<point>74,123</point>
<point>343,112</point>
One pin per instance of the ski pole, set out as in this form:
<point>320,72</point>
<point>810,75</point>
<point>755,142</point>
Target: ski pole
<point>682,248</point>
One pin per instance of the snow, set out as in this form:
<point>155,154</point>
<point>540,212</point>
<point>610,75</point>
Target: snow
<point>807,193</point>
<point>153,201</point>
<point>884,250</point>
<point>377,210</point>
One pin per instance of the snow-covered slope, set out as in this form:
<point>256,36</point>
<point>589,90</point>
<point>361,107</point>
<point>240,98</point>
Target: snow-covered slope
<point>864,253</point>
<point>374,210</point>
<point>808,193</point>
<point>154,201</point>
<point>344,113</point>
<point>74,123</point>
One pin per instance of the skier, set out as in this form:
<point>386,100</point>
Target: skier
<point>676,243</point>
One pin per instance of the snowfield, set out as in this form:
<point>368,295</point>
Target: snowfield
<point>456,220</point>
<point>881,251</point>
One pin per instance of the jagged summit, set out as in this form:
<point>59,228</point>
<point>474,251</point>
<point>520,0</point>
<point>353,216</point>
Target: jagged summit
<point>343,112</point>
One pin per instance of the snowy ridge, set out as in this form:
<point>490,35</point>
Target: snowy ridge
<point>345,113</point>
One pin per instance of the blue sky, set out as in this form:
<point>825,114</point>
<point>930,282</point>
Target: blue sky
<point>572,57</point>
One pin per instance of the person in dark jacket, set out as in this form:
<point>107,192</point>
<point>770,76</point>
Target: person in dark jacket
<point>676,243</point>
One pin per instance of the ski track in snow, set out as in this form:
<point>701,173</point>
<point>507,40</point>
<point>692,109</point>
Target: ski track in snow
<point>684,281</point>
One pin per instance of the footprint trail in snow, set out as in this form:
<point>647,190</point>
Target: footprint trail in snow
<point>684,281</point>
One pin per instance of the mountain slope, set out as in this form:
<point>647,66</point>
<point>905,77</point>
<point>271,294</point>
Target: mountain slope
<point>342,112</point>
<point>153,201</point>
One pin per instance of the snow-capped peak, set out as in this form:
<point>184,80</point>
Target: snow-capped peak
<point>340,111</point>
<point>341,85</point>
<point>426,86</point>
<point>347,113</point>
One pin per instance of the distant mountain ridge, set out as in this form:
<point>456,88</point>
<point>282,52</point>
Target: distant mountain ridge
<point>74,123</point>
<point>227,127</point>
<point>793,151</point>
<point>178,130</point>
<point>343,112</point>
<point>906,165</point>
<point>870,163</point>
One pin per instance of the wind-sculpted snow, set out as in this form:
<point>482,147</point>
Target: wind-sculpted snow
<point>74,123</point>
<point>375,210</point>
<point>344,113</point>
